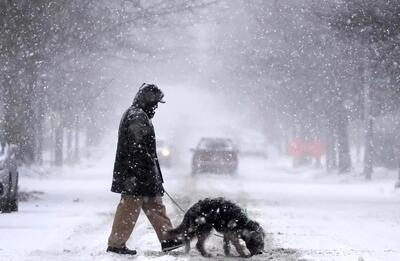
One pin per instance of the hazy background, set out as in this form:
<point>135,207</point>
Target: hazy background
<point>282,69</point>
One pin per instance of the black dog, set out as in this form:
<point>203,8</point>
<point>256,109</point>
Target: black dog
<point>226,218</point>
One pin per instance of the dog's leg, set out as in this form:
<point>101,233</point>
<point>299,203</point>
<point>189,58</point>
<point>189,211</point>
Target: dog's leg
<point>227,245</point>
<point>188,236</point>
<point>201,238</point>
<point>187,246</point>
<point>239,247</point>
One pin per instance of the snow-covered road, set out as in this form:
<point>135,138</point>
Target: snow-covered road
<point>307,214</point>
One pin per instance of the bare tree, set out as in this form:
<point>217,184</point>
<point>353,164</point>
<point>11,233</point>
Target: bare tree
<point>48,51</point>
<point>375,27</point>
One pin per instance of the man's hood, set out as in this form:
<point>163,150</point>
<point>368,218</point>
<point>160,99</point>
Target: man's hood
<point>148,96</point>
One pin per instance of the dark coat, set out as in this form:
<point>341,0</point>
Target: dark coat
<point>136,169</point>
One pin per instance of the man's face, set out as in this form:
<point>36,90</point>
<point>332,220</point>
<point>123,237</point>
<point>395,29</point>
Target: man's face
<point>151,110</point>
<point>152,97</point>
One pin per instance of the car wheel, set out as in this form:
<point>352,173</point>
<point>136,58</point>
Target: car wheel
<point>3,205</point>
<point>13,205</point>
<point>4,208</point>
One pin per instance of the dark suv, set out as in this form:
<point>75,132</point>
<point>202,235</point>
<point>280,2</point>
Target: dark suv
<point>215,155</point>
<point>8,179</point>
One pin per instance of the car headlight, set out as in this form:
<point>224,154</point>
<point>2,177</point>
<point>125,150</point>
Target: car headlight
<point>165,152</point>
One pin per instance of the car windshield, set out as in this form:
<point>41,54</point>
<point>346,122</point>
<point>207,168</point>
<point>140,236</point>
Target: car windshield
<point>216,144</point>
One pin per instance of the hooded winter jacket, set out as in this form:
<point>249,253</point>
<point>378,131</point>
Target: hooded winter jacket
<point>136,168</point>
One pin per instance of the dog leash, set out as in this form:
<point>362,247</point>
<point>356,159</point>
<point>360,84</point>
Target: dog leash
<point>176,204</point>
<point>181,209</point>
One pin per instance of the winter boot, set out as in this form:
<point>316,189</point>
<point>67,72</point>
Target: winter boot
<point>168,245</point>
<point>121,250</point>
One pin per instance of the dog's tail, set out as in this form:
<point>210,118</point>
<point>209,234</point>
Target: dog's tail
<point>182,229</point>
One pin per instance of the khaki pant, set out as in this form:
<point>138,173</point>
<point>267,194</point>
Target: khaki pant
<point>127,214</point>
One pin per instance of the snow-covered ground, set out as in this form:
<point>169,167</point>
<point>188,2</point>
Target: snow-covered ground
<point>308,215</point>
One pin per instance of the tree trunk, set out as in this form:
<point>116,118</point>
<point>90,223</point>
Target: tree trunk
<point>369,150</point>
<point>28,146</point>
<point>397,153</point>
<point>39,105</point>
<point>28,91</point>
<point>69,144</point>
<point>19,127</point>
<point>59,143</point>
<point>76,145</point>
<point>39,140</point>
<point>93,132</point>
<point>11,130</point>
<point>369,128</point>
<point>344,158</point>
<point>398,168</point>
<point>331,162</point>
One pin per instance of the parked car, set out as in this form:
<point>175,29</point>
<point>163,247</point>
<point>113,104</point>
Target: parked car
<point>8,180</point>
<point>215,155</point>
<point>165,153</point>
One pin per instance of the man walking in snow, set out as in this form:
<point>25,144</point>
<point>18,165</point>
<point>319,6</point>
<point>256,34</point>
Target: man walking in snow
<point>137,174</point>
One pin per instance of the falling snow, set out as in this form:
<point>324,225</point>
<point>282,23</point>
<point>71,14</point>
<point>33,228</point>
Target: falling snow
<point>308,91</point>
